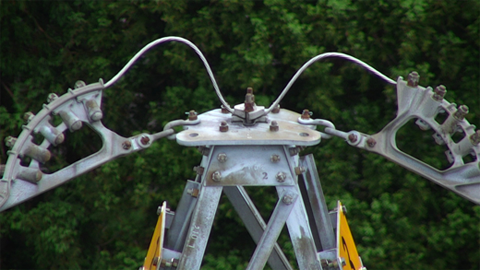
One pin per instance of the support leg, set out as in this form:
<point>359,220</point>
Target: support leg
<point>255,224</point>
<point>200,227</point>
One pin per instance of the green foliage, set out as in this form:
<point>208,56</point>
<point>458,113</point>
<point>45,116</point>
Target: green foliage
<point>105,219</point>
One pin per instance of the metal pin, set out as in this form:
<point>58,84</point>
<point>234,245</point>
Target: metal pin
<point>94,112</point>
<point>52,134</point>
<point>38,153</point>
<point>71,120</point>
<point>30,174</point>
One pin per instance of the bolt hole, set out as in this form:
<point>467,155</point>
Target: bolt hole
<point>193,134</point>
<point>304,134</point>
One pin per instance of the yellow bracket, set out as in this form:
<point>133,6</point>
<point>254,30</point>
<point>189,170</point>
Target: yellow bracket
<point>347,253</point>
<point>154,254</point>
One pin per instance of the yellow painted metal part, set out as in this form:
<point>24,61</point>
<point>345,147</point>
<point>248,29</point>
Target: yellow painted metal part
<point>154,253</point>
<point>346,249</point>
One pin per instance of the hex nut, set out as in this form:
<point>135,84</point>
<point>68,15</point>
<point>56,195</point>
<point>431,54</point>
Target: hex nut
<point>216,176</point>
<point>461,112</point>
<point>281,177</point>
<point>144,140</point>
<point>287,199</point>
<point>224,109</point>
<point>413,79</point>
<point>305,115</point>
<point>223,126</point>
<point>299,170</point>
<point>371,142</point>
<point>439,92</point>
<point>352,138</point>
<point>475,137</point>
<point>276,109</point>
<point>192,115</point>
<point>275,158</point>
<point>126,145</point>
<point>222,157</point>
<point>274,126</point>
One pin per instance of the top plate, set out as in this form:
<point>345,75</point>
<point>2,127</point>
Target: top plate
<point>207,132</point>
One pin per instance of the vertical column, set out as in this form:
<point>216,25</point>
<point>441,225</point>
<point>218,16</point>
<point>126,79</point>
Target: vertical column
<point>200,228</point>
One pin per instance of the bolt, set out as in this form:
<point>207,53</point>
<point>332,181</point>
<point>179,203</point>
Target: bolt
<point>276,109</point>
<point>79,84</point>
<point>439,92</point>
<point>10,141</point>
<point>281,177</point>
<point>155,261</point>
<point>305,114</point>
<point>126,145</point>
<point>199,169</point>
<point>249,100</point>
<point>51,97</point>
<point>275,158</point>
<point>222,157</point>
<point>371,142</point>
<point>28,116</point>
<point>224,109</point>
<point>461,112</point>
<point>193,192</point>
<point>192,115</point>
<point>274,126</point>
<point>299,170</point>
<point>145,140</point>
<point>342,261</point>
<point>223,126</point>
<point>216,176</point>
<point>475,137</point>
<point>413,79</point>
<point>352,138</point>
<point>287,199</point>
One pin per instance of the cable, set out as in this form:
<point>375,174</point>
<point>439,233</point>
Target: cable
<point>320,57</point>
<point>167,39</point>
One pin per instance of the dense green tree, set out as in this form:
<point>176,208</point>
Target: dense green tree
<point>105,218</point>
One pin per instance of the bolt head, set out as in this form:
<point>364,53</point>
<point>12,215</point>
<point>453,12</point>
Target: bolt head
<point>79,84</point>
<point>126,145</point>
<point>275,158</point>
<point>439,92</point>
<point>281,177</point>
<point>145,140</point>
<point>461,112</point>
<point>299,170</point>
<point>192,115</point>
<point>223,126</point>
<point>274,126</point>
<point>10,141</point>
<point>287,199</point>
<point>216,176</point>
<point>222,157</point>
<point>224,109</point>
<point>475,137</point>
<point>28,116</point>
<point>305,114</point>
<point>51,97</point>
<point>352,138</point>
<point>371,142</point>
<point>413,79</point>
<point>276,109</point>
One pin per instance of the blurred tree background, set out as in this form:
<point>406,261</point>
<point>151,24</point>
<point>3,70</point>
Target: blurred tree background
<point>105,219</point>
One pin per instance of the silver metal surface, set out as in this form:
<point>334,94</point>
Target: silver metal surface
<point>255,224</point>
<point>207,132</point>
<point>301,234</point>
<point>249,165</point>
<point>200,228</point>
<point>418,103</point>
<point>316,200</point>
<point>273,229</point>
